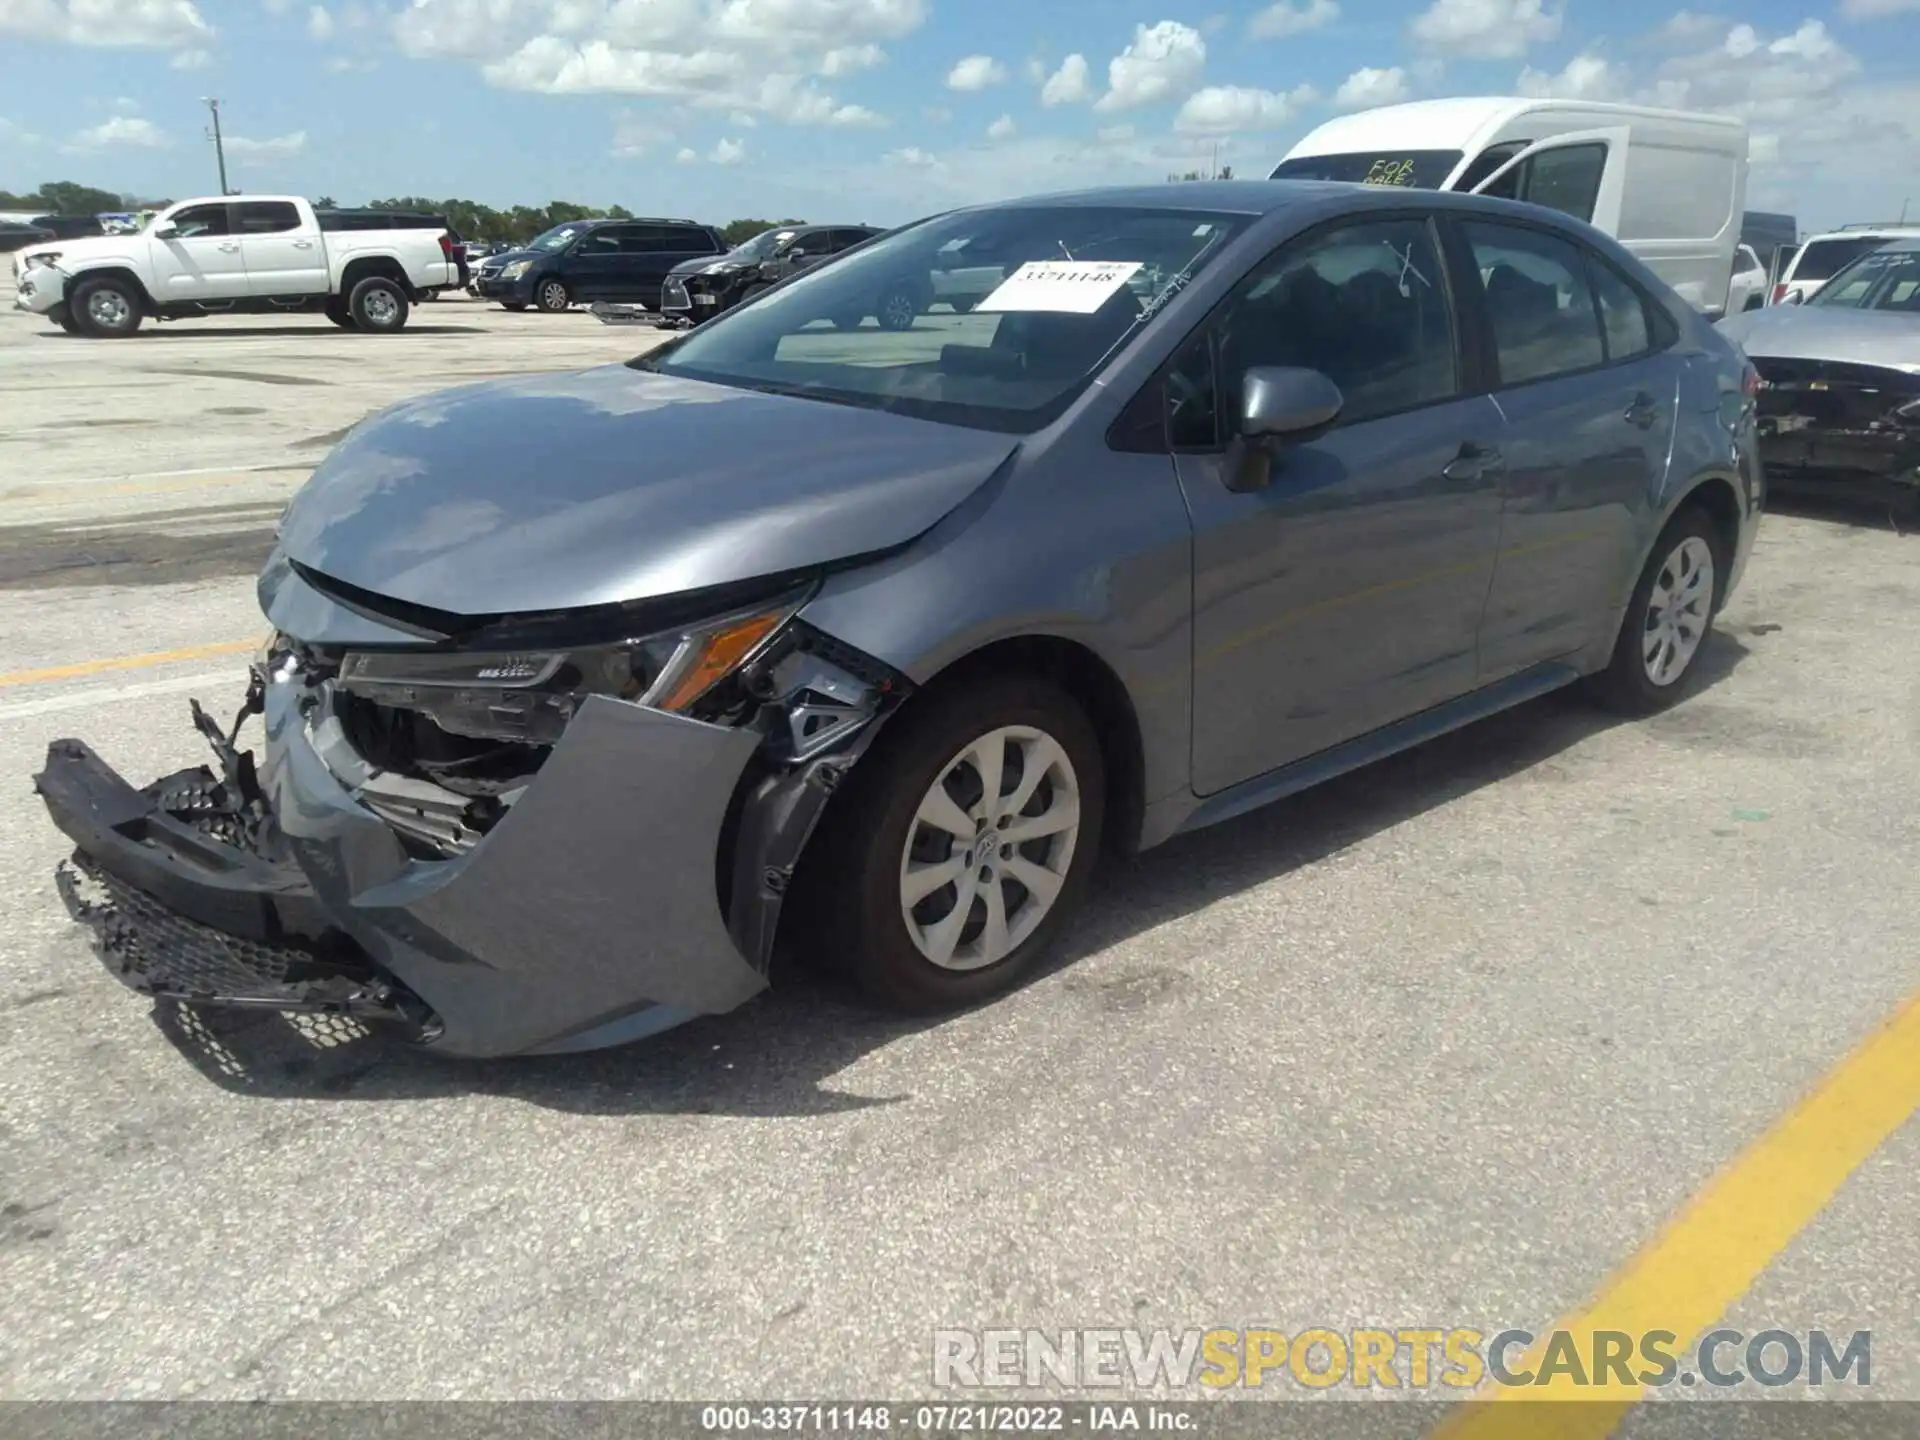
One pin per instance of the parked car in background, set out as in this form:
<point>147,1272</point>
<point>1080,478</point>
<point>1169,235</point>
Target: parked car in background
<point>1840,372</point>
<point>587,260</point>
<point>701,288</point>
<point>1668,185</point>
<point>71,227</point>
<point>875,641</point>
<point>1825,255</point>
<point>256,254</point>
<point>1748,290</point>
<point>17,235</point>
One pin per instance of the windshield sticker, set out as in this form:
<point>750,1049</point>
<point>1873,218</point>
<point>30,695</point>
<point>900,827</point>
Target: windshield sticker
<point>1389,172</point>
<point>1068,287</point>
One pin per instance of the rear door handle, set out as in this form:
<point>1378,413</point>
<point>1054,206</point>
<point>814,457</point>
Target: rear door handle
<point>1474,462</point>
<point>1644,411</point>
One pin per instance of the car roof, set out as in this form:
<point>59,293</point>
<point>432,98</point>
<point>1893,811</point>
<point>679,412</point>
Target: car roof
<point>1269,197</point>
<point>1868,232</point>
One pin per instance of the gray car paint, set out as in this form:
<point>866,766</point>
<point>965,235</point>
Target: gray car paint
<point>1828,332</point>
<point>554,492</point>
<point>1348,581</point>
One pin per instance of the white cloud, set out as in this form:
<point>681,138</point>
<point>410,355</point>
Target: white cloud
<point>1070,84</point>
<point>728,152</point>
<point>115,24</point>
<point>129,132</point>
<point>1877,9</point>
<point>1485,29</point>
<point>1288,18</point>
<point>320,23</point>
<point>1585,77</point>
<point>12,134</point>
<point>686,156</point>
<point>634,134</point>
<point>1228,109</point>
<point>726,55</point>
<point>938,114</point>
<point>1002,129</point>
<point>1114,134</point>
<point>913,156</point>
<point>261,152</point>
<point>976,72</point>
<point>1164,62</point>
<point>1687,27</point>
<point>191,60</point>
<point>1367,87</point>
<point>743,120</point>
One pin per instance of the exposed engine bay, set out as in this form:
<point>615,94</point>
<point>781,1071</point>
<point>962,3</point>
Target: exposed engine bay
<point>1831,419</point>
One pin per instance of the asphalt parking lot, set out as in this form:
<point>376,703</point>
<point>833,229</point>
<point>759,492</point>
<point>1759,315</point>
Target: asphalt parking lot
<point>1445,1043</point>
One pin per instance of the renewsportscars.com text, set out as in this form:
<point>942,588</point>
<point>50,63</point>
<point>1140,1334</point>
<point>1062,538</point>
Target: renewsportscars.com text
<point>1415,1358</point>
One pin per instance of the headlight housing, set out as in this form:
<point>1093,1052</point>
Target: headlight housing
<point>515,270</point>
<point>529,695</point>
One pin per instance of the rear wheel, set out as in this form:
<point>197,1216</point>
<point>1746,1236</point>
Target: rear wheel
<point>553,296</point>
<point>378,305</point>
<point>1668,620</point>
<point>961,845</point>
<point>106,308</point>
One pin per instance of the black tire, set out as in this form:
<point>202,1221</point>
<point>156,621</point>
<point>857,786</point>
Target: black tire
<point>1628,683</point>
<point>964,304</point>
<point>378,306</point>
<point>63,317</point>
<point>847,322</point>
<point>336,310</point>
<point>514,305</point>
<point>552,295</point>
<point>851,876</point>
<point>898,307</point>
<point>106,308</point>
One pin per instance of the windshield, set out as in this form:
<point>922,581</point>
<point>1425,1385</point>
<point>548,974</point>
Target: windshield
<point>761,246</point>
<point>557,238</point>
<point>1051,292</point>
<point>1885,280</point>
<point>1411,169</point>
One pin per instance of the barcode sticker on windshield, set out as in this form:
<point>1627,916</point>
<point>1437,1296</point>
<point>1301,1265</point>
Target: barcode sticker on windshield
<point>1070,287</point>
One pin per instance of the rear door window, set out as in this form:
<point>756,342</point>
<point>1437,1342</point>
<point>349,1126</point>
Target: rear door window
<point>1624,325</point>
<point>686,238</point>
<point>1539,306</point>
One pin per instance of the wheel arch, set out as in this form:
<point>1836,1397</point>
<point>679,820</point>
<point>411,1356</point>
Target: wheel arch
<point>124,273</point>
<point>1718,495</point>
<point>371,267</point>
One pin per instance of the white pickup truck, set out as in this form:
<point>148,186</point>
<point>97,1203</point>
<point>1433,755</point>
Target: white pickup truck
<point>257,253</point>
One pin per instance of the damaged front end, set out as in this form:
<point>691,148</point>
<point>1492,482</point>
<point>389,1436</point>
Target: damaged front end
<point>514,835</point>
<point>1834,422</point>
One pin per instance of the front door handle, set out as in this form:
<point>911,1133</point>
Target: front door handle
<point>1474,462</point>
<point>1644,411</point>
<point>303,244</point>
<point>229,246</point>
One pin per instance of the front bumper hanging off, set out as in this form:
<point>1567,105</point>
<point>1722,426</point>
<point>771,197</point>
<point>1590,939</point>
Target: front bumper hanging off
<point>589,915</point>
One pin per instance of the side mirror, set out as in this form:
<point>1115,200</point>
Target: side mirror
<point>1279,405</point>
<point>796,256</point>
<point>167,232</point>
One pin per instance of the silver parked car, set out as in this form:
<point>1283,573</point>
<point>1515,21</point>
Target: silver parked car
<point>584,689</point>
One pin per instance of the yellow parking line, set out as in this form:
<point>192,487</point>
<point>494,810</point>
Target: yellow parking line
<point>1725,1236</point>
<point>126,662</point>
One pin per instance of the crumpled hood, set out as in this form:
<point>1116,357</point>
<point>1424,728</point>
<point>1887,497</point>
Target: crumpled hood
<point>551,492</point>
<point>1827,332</point>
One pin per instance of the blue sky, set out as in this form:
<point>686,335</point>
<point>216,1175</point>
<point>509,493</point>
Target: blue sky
<point>877,110</point>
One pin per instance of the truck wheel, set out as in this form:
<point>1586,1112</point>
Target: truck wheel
<point>63,317</point>
<point>378,306</point>
<point>959,845</point>
<point>553,296</point>
<point>107,309</point>
<point>338,313</point>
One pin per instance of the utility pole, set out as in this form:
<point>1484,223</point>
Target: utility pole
<point>1903,209</point>
<point>219,150</point>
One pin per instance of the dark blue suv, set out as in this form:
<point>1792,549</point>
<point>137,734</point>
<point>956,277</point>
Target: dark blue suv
<point>594,260</point>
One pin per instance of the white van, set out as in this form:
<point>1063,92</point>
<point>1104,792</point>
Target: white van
<point>1668,185</point>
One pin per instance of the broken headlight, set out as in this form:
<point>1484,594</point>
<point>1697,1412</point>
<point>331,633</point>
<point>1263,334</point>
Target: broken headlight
<point>529,695</point>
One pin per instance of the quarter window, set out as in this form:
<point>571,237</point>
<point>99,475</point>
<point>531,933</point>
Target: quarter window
<point>1623,314</point>
<point>1364,304</point>
<point>1538,303</point>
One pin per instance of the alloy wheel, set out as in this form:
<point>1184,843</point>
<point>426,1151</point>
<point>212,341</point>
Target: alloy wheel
<point>1679,608</point>
<point>379,308</point>
<point>989,848</point>
<point>109,309</point>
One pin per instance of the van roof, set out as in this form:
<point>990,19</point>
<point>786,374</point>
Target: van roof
<point>1455,124</point>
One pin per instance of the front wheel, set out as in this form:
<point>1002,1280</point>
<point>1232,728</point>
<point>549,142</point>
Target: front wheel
<point>1655,660</point>
<point>378,305</point>
<point>960,845</point>
<point>898,307</point>
<point>553,296</point>
<point>106,308</point>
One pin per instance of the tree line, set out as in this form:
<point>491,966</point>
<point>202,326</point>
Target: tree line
<point>472,220</point>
